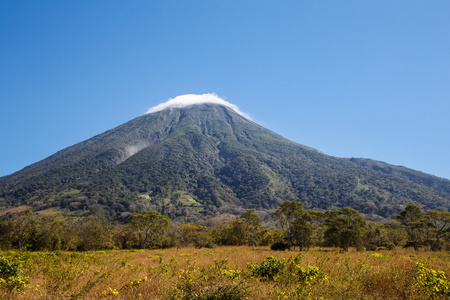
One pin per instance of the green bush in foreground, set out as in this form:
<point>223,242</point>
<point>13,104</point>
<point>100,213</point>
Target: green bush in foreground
<point>11,277</point>
<point>268,268</point>
<point>214,282</point>
<point>435,282</point>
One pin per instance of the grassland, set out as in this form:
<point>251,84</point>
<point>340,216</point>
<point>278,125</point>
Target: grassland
<point>14,210</point>
<point>223,273</point>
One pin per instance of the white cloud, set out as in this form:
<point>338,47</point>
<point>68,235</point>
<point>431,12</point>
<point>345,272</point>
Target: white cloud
<point>192,99</point>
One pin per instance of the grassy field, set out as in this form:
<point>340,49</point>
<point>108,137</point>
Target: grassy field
<point>225,273</point>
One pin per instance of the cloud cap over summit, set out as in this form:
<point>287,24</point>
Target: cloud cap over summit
<point>194,99</point>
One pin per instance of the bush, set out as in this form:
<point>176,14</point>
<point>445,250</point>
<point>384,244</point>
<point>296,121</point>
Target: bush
<point>388,246</point>
<point>209,283</point>
<point>203,239</point>
<point>371,247</point>
<point>310,275</point>
<point>279,246</point>
<point>227,292</point>
<point>435,282</point>
<point>11,274</point>
<point>268,268</point>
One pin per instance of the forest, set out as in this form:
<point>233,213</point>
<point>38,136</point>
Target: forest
<point>295,228</point>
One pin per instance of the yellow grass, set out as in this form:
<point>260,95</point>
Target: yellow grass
<point>49,212</point>
<point>158,274</point>
<point>14,209</point>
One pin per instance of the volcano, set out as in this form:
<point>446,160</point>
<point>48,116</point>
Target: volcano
<point>204,159</point>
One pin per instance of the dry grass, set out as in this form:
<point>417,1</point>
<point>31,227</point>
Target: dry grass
<point>15,210</point>
<point>159,274</point>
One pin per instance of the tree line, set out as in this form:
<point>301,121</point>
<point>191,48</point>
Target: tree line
<point>297,228</point>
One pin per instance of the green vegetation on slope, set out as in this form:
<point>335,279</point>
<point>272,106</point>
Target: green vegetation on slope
<point>215,158</point>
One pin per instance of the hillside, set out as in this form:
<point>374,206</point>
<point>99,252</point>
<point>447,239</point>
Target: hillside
<point>202,161</point>
<point>437,183</point>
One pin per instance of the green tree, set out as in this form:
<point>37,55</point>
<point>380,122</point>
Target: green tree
<point>287,214</point>
<point>301,232</point>
<point>235,233</point>
<point>252,223</point>
<point>5,242</point>
<point>183,234</point>
<point>375,235</point>
<point>124,237</point>
<point>394,232</point>
<point>48,234</point>
<point>412,219</point>
<point>316,219</point>
<point>94,233</point>
<point>343,227</point>
<point>229,232</point>
<point>21,226</point>
<point>150,226</point>
<point>439,222</point>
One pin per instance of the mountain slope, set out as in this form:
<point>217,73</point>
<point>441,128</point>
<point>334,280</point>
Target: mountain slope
<point>439,184</point>
<point>201,161</point>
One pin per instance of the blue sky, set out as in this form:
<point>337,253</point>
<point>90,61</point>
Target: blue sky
<point>351,78</point>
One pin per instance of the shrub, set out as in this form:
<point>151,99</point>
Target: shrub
<point>203,239</point>
<point>435,282</point>
<point>294,273</point>
<point>11,277</point>
<point>371,247</point>
<point>268,268</point>
<point>388,246</point>
<point>210,283</point>
<point>279,246</point>
<point>216,281</point>
<point>226,292</point>
<point>310,275</point>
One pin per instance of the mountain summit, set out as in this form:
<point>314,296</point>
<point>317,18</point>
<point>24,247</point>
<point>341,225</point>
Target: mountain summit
<point>205,159</point>
<point>192,99</point>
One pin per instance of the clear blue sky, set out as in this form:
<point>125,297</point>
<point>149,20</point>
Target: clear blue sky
<point>351,78</point>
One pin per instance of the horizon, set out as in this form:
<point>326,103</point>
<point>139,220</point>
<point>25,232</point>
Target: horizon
<point>355,79</point>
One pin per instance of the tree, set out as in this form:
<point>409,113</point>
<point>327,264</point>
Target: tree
<point>287,214</point>
<point>252,223</point>
<point>412,219</point>
<point>343,227</point>
<point>94,233</point>
<point>230,232</point>
<point>440,223</point>
<point>316,219</point>
<point>394,232</point>
<point>150,226</point>
<point>124,237</point>
<point>21,226</point>
<point>183,235</point>
<point>301,232</point>
<point>49,234</point>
